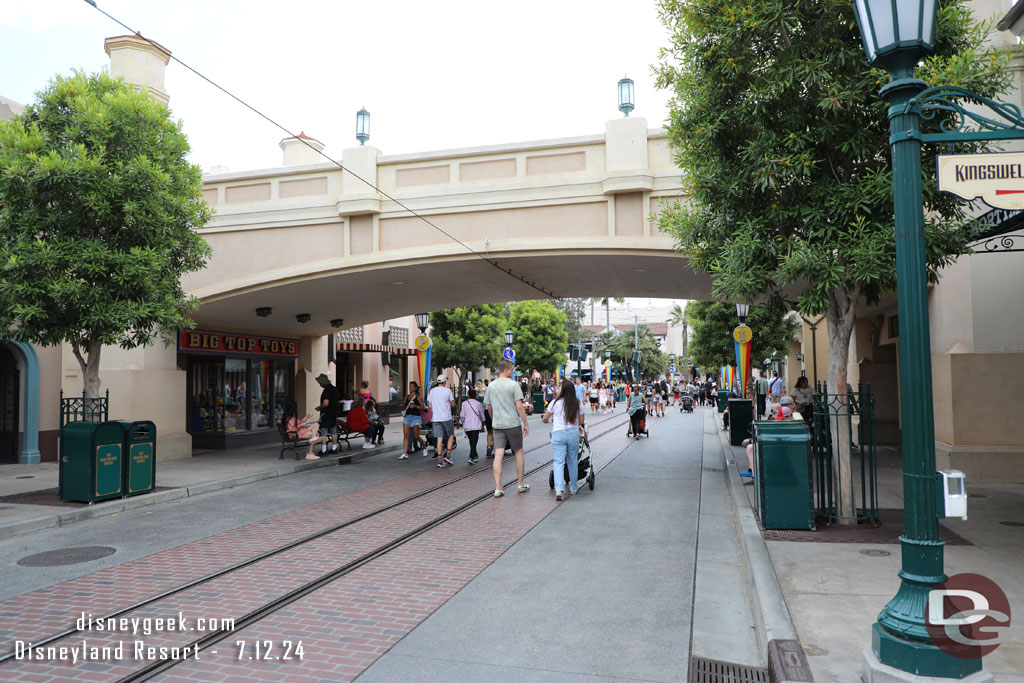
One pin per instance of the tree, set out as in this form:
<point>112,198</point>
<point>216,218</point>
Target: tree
<point>713,322</point>
<point>574,310</point>
<point>467,338</point>
<point>99,209</point>
<point>784,141</point>
<point>606,302</point>
<point>540,336</point>
<point>653,362</point>
<point>676,318</point>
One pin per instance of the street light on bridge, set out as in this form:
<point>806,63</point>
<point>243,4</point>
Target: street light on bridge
<point>626,99</point>
<point>362,126</point>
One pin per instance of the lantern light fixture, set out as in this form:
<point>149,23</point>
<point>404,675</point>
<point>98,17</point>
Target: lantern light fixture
<point>896,35</point>
<point>626,95</point>
<point>509,337</point>
<point>742,310</point>
<point>362,126</point>
<point>423,322</point>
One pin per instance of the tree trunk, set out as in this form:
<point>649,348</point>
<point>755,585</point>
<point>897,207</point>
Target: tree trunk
<point>607,314</point>
<point>840,316</point>
<point>90,368</point>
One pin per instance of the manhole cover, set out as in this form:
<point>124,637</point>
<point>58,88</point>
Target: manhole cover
<point>876,553</point>
<point>26,476</point>
<point>1012,523</point>
<point>66,556</point>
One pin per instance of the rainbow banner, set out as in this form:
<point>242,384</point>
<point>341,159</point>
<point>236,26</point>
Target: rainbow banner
<point>558,376</point>
<point>423,369</point>
<point>608,372</point>
<point>743,364</point>
<point>728,374</point>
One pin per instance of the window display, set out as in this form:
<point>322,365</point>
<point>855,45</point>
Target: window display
<point>234,394</point>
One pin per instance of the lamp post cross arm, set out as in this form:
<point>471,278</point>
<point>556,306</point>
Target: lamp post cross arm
<point>993,121</point>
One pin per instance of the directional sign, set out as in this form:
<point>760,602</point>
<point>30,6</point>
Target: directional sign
<point>509,355</point>
<point>998,179</point>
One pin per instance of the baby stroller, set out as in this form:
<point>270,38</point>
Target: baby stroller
<point>584,464</point>
<point>687,404</point>
<point>639,418</point>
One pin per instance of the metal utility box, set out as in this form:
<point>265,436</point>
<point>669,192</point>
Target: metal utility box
<point>723,400</point>
<point>140,457</point>
<point>538,402</point>
<point>741,414</point>
<point>90,461</point>
<point>784,497</point>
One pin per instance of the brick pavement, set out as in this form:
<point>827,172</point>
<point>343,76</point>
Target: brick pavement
<point>43,612</point>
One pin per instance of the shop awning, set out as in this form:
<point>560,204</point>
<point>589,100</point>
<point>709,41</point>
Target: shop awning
<point>344,347</point>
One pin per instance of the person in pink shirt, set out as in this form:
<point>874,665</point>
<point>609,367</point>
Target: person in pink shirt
<point>472,416</point>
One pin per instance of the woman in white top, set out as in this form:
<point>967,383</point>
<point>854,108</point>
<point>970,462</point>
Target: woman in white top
<point>602,397</point>
<point>567,414</point>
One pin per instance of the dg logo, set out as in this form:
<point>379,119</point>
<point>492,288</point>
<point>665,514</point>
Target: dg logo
<point>967,616</point>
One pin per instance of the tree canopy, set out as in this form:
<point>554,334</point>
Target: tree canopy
<point>777,123</point>
<point>712,322</point>
<point>467,338</point>
<point>653,362</point>
<point>540,336</point>
<point>99,209</point>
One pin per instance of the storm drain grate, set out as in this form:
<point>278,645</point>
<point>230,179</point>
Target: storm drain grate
<point>713,671</point>
<point>713,469</point>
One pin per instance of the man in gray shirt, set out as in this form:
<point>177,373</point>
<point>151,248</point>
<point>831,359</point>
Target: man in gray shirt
<point>504,401</point>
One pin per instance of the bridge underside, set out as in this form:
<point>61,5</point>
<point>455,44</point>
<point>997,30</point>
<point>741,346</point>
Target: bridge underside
<point>380,291</point>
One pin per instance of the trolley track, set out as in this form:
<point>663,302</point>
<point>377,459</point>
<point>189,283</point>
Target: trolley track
<point>309,538</point>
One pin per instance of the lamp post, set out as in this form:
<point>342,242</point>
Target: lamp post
<point>423,322</point>
<point>626,99</point>
<point>509,338</point>
<point>742,310</point>
<point>362,126</point>
<point>896,36</point>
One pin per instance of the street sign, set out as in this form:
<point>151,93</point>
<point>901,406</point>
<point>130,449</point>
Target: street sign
<point>998,178</point>
<point>509,355</point>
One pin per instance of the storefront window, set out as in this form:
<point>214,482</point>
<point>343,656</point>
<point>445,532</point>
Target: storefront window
<point>282,387</point>
<point>260,390</point>
<point>234,393</point>
<point>395,374</point>
<point>207,404</point>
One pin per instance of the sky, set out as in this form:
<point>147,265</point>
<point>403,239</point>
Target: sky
<point>434,75</point>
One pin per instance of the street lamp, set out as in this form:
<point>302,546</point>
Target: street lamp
<point>741,311</point>
<point>423,322</point>
<point>362,126</point>
<point>896,36</point>
<point>509,338</point>
<point>626,99</point>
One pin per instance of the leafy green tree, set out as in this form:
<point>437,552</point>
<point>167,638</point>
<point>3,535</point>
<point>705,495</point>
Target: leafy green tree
<point>574,310</point>
<point>605,301</point>
<point>713,322</point>
<point>784,141</point>
<point>540,336</point>
<point>99,209</point>
<point>467,338</point>
<point>653,362</point>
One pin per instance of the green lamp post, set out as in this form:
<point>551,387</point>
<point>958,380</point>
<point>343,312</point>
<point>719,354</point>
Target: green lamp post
<point>897,34</point>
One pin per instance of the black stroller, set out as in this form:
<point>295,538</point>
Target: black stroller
<point>639,418</point>
<point>584,464</point>
<point>686,405</point>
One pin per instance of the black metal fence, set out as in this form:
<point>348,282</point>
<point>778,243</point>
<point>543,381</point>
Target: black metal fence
<point>845,466</point>
<point>82,409</point>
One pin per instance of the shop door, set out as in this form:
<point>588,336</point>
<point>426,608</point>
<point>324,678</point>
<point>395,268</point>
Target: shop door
<point>8,407</point>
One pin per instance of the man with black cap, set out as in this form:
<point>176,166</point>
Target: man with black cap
<point>328,410</point>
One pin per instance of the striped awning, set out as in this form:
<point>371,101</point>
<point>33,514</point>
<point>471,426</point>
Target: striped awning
<point>347,347</point>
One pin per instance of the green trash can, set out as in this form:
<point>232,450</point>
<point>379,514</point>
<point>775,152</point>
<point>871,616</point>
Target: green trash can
<point>538,402</point>
<point>90,461</point>
<point>741,414</point>
<point>723,398</point>
<point>620,394</point>
<point>140,457</point>
<point>784,496</point>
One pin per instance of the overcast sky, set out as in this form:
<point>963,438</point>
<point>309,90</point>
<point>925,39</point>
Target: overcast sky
<point>434,75</point>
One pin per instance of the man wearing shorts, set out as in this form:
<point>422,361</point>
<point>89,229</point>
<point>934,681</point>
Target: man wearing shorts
<point>441,402</point>
<point>329,412</point>
<point>504,401</point>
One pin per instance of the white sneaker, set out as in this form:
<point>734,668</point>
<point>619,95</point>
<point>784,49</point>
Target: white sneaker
<point>498,493</point>
<point>403,456</point>
<point>368,445</point>
<point>558,495</point>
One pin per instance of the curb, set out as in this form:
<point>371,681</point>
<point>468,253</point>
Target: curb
<point>60,519</point>
<point>774,621</point>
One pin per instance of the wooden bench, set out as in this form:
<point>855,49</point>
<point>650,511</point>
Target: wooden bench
<point>292,442</point>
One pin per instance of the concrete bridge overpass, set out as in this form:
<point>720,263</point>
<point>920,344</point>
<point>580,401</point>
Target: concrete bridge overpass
<point>572,215</point>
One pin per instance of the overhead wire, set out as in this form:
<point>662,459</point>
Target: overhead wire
<point>484,257</point>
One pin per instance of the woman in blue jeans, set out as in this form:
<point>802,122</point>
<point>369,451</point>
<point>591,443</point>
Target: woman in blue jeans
<point>567,415</point>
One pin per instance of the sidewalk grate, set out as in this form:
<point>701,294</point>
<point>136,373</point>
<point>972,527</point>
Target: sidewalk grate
<point>714,671</point>
<point>713,469</point>
<point>887,532</point>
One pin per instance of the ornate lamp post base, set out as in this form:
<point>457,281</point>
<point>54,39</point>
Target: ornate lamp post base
<point>894,649</point>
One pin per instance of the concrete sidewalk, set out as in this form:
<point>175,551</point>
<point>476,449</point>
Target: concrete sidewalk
<point>820,581</point>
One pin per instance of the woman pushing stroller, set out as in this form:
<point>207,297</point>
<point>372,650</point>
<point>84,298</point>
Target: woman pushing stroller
<point>565,436</point>
<point>636,411</point>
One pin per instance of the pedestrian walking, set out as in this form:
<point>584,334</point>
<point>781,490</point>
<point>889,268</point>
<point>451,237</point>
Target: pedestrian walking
<point>329,412</point>
<point>566,414</point>
<point>504,402</point>
<point>441,403</point>
<point>472,417</point>
<point>776,387</point>
<point>602,396</point>
<point>595,397</point>
<point>412,421</point>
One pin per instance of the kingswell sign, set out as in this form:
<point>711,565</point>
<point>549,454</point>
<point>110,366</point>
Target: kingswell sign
<point>998,179</point>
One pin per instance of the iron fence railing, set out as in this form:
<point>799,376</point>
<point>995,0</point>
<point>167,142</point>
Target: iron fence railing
<point>845,466</point>
<point>83,409</point>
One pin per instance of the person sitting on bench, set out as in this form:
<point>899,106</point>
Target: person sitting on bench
<point>304,429</point>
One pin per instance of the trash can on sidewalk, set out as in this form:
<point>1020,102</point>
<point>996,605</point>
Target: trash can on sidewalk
<point>620,394</point>
<point>538,402</point>
<point>140,457</point>
<point>90,461</point>
<point>741,414</point>
<point>783,497</point>
<point>723,398</point>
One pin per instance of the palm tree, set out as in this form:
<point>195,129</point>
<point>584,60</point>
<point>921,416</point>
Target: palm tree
<point>606,302</point>
<point>678,317</point>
